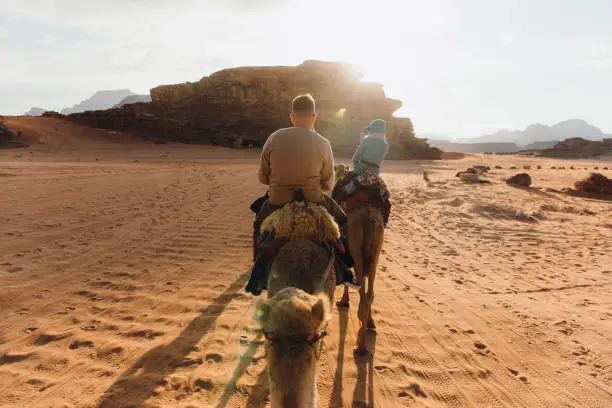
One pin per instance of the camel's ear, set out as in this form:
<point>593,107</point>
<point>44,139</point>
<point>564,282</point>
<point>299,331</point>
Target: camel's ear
<point>320,313</point>
<point>262,311</point>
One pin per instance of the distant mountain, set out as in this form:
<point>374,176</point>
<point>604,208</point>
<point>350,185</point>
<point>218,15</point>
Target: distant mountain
<point>536,136</point>
<point>35,112</point>
<point>447,146</point>
<point>133,99</point>
<point>101,100</point>
<point>541,133</point>
<point>435,136</point>
<point>541,145</point>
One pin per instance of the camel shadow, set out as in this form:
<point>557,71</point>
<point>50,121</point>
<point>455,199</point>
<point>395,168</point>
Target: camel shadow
<point>137,383</point>
<point>363,396</point>
<point>336,397</point>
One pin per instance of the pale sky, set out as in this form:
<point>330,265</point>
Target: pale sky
<point>461,67</point>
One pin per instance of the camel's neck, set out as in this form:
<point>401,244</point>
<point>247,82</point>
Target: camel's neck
<point>305,398</point>
<point>302,394</point>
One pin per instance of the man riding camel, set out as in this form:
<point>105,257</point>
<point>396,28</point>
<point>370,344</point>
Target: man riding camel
<point>297,160</point>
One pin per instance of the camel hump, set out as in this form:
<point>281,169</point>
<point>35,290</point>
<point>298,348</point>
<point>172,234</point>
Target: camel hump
<point>303,219</point>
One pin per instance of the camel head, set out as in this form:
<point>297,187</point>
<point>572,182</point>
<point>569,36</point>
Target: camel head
<point>293,322</point>
<point>341,169</point>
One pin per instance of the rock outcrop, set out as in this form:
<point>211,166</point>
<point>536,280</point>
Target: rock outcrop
<point>52,114</point>
<point>521,179</point>
<point>579,148</point>
<point>9,138</point>
<point>242,106</point>
<point>596,183</point>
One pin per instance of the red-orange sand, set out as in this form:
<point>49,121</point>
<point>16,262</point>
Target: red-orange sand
<point>122,267</point>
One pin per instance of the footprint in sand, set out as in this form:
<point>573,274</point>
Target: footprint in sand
<point>43,339</point>
<point>148,334</point>
<point>190,362</point>
<point>382,369</point>
<point>415,389</point>
<point>78,344</point>
<point>203,384</point>
<point>213,357</point>
<point>14,358</point>
<point>481,349</point>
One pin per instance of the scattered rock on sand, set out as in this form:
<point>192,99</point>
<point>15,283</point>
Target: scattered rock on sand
<point>512,168</point>
<point>498,167</point>
<point>526,167</point>
<point>521,179</point>
<point>470,171</point>
<point>481,169</point>
<point>596,183</point>
<point>468,177</point>
<point>471,178</point>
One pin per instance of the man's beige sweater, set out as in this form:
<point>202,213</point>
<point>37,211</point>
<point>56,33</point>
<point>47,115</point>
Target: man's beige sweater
<point>296,158</point>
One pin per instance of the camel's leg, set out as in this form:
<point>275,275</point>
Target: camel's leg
<point>362,314</point>
<point>376,242</point>
<point>344,301</point>
<point>356,236</point>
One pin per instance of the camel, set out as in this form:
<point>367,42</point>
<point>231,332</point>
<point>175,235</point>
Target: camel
<point>366,229</point>
<point>301,288</point>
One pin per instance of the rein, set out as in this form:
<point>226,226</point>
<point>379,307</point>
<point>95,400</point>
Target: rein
<point>310,342</point>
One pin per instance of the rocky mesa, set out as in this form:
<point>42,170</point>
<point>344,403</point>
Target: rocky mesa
<point>241,106</point>
<point>579,148</point>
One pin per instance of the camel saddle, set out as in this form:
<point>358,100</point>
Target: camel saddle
<point>355,190</point>
<point>294,219</point>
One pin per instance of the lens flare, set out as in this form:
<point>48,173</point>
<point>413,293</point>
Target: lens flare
<point>340,113</point>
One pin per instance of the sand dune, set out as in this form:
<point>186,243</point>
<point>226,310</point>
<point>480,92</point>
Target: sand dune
<point>121,284</point>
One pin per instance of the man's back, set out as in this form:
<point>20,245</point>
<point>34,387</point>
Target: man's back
<point>296,158</point>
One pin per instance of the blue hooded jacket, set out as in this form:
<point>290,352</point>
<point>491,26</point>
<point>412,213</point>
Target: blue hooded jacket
<point>372,150</point>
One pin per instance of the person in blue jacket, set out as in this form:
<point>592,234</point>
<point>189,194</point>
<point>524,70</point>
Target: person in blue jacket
<point>372,150</point>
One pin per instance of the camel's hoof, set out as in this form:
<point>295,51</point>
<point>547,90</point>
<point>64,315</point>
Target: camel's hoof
<point>343,304</point>
<point>358,351</point>
<point>371,326</point>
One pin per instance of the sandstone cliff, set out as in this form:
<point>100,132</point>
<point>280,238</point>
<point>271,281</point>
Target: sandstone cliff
<point>242,106</point>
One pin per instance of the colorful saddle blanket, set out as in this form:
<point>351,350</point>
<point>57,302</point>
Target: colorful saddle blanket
<point>354,190</point>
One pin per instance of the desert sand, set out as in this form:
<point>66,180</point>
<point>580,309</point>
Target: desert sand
<point>123,265</point>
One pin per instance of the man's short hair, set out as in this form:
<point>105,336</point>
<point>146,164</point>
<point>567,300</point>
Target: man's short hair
<point>303,105</point>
